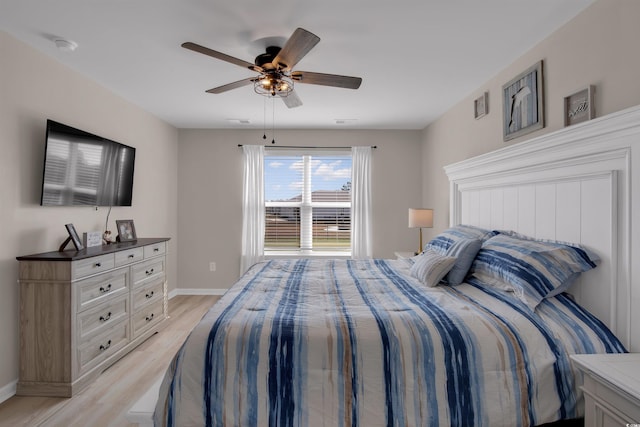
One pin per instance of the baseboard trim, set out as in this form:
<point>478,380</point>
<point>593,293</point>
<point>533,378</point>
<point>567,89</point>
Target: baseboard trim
<point>196,291</point>
<point>8,391</point>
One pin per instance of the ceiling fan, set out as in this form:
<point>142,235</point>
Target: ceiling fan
<point>274,68</point>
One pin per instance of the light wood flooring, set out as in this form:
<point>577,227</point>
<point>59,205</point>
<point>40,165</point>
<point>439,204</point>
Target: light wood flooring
<point>107,400</point>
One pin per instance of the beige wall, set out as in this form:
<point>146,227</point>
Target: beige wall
<point>34,87</point>
<point>210,195</point>
<point>598,47</point>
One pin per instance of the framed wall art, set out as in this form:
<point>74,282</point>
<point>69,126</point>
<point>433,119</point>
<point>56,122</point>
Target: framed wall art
<point>579,107</point>
<point>523,103</point>
<point>481,106</point>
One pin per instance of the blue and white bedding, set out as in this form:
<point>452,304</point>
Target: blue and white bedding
<point>364,343</point>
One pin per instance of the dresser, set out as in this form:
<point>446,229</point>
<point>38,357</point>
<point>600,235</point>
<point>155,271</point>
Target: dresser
<point>611,389</point>
<point>81,311</point>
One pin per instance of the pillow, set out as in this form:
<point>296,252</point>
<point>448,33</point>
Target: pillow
<point>448,237</point>
<point>464,250</point>
<point>592,255</point>
<point>533,269</point>
<point>430,267</point>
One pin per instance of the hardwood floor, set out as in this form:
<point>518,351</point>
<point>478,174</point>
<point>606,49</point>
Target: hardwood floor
<point>107,400</point>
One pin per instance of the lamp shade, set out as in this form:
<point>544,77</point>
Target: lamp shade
<point>420,218</point>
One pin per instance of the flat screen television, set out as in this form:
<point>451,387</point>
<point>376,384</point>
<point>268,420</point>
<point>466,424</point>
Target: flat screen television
<point>82,169</point>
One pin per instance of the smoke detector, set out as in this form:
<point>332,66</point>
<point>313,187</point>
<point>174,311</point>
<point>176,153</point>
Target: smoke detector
<point>65,45</point>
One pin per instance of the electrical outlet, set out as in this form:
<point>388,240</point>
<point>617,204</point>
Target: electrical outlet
<point>212,266</point>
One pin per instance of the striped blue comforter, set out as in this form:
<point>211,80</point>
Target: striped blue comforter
<point>362,343</point>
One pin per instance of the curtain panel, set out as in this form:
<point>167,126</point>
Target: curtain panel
<point>253,211</point>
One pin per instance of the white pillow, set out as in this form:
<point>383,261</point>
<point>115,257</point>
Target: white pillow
<point>431,267</point>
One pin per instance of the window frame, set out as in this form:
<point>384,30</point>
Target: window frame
<point>306,206</point>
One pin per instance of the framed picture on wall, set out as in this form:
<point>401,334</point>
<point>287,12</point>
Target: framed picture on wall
<point>481,106</point>
<point>579,107</point>
<point>523,103</point>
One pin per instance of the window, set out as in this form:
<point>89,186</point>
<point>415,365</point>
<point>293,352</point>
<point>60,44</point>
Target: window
<point>307,202</point>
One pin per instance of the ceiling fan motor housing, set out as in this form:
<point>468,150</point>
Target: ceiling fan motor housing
<point>265,60</point>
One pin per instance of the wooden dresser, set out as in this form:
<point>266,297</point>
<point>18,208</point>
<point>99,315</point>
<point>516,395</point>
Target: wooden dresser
<point>81,311</point>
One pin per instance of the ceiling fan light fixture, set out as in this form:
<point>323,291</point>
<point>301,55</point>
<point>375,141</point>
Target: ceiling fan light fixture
<point>273,84</point>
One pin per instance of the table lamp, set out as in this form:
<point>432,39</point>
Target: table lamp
<point>420,218</point>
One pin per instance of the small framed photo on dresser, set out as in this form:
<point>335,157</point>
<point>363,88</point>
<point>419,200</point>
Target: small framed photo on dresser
<point>73,236</point>
<point>126,230</point>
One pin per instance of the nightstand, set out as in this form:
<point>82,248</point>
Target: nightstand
<point>611,388</point>
<point>404,254</point>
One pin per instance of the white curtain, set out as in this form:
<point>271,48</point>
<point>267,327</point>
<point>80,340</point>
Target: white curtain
<point>252,207</point>
<point>361,247</point>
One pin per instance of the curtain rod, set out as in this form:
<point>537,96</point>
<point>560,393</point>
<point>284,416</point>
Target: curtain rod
<point>315,146</point>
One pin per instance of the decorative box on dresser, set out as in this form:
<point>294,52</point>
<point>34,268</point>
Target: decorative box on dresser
<point>611,388</point>
<point>81,311</point>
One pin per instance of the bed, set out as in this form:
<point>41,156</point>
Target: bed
<point>395,342</point>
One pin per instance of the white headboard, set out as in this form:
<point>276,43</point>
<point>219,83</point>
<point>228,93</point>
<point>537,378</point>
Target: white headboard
<point>572,185</point>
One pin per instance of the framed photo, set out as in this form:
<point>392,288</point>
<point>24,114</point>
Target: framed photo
<point>579,107</point>
<point>92,238</point>
<point>481,106</point>
<point>126,230</point>
<point>523,103</point>
<point>73,235</point>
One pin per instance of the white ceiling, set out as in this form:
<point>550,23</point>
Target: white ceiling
<point>417,58</point>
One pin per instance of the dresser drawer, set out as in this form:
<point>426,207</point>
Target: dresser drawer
<point>100,318</point>
<point>148,270</point>
<point>148,293</point>
<point>96,290</point>
<point>93,351</point>
<point>147,317</point>
<point>155,250</point>
<point>93,265</point>
<point>129,256</point>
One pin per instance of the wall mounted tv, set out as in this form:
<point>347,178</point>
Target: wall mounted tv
<point>82,169</point>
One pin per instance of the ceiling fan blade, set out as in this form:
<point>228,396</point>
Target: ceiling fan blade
<point>229,86</point>
<point>292,100</point>
<point>222,56</point>
<point>298,45</point>
<point>326,79</point>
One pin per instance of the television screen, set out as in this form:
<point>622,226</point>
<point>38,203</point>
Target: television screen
<point>84,169</point>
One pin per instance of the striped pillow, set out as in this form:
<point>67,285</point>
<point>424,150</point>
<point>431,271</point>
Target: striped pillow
<point>533,269</point>
<point>430,267</point>
<point>443,241</point>
<point>464,250</point>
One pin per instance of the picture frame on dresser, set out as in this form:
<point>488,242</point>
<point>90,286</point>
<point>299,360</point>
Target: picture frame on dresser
<point>126,230</point>
<point>73,238</point>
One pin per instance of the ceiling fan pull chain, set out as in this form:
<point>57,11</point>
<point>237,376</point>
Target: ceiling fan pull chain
<point>264,119</point>
<point>273,120</point>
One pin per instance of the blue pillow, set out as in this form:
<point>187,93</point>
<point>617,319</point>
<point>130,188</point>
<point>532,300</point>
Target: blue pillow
<point>533,269</point>
<point>464,250</point>
<point>448,237</point>
<point>430,267</point>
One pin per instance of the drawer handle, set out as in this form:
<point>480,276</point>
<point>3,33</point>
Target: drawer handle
<point>104,319</point>
<point>156,249</point>
<point>97,264</point>
<point>149,295</point>
<point>132,256</point>
<point>149,318</point>
<point>149,272</point>
<point>105,290</point>
<point>103,347</point>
